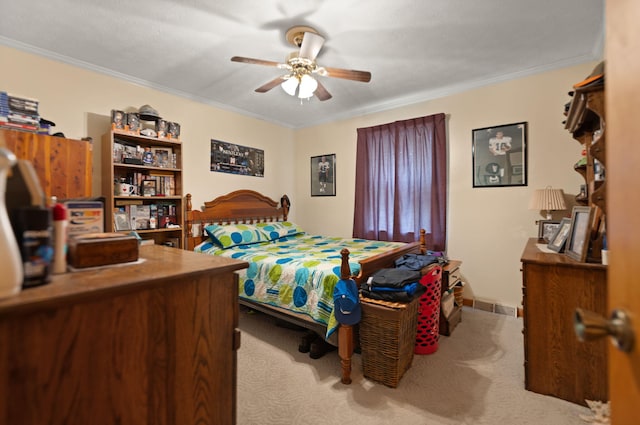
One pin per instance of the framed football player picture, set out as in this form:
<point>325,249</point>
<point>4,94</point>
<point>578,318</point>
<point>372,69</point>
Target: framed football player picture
<point>323,175</point>
<point>500,155</point>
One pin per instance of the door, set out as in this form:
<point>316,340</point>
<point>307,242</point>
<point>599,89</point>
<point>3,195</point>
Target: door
<point>622,91</point>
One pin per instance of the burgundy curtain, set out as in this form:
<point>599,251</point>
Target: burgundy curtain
<point>401,172</point>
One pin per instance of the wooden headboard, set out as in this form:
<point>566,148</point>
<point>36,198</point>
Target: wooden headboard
<point>241,206</point>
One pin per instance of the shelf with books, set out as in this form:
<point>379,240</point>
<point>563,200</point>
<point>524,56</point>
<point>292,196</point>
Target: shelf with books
<point>142,186</point>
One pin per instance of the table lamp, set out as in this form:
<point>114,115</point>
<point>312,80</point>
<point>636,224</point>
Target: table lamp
<point>547,199</point>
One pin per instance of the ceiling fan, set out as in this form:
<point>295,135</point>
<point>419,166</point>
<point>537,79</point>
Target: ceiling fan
<point>300,66</point>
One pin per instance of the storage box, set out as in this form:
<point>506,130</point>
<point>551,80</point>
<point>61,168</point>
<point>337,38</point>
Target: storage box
<point>387,339</point>
<point>101,249</point>
<point>448,324</point>
<point>447,304</point>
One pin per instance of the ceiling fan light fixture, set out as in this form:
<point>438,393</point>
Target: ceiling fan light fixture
<point>301,65</point>
<point>308,86</point>
<point>290,85</point>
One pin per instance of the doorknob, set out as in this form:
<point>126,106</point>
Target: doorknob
<point>590,326</point>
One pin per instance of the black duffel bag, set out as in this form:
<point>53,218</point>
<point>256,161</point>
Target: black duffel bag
<point>394,278</point>
<point>418,261</point>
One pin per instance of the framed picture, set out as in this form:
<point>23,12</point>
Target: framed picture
<point>148,188</point>
<point>559,237</point>
<point>580,233</point>
<point>500,155</point>
<point>546,229</point>
<point>121,221</point>
<point>323,175</point>
<point>236,159</point>
<point>162,157</point>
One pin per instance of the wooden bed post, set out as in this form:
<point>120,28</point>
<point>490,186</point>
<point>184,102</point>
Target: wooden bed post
<point>188,220</point>
<point>285,203</point>
<point>345,332</point>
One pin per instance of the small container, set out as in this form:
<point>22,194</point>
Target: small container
<point>12,275</point>
<point>60,222</point>
<point>33,231</point>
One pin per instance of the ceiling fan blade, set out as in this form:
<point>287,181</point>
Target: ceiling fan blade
<point>254,61</point>
<point>347,74</point>
<point>322,93</point>
<point>271,84</point>
<point>311,45</point>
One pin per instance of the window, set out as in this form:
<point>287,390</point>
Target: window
<point>401,181</point>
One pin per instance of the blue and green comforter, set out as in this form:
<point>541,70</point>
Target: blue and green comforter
<point>298,273</point>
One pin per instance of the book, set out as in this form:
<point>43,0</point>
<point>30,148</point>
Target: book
<point>85,217</point>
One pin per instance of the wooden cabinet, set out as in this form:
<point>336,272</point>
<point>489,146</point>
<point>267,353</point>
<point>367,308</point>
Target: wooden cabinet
<point>148,343</point>
<point>556,363</point>
<point>586,122</point>
<point>63,166</point>
<point>153,167</point>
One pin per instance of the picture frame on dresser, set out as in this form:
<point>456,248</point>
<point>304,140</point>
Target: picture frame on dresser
<point>546,229</point>
<point>577,245</point>
<point>559,237</point>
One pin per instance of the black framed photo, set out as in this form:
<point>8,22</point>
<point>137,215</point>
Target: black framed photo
<point>323,175</point>
<point>580,233</point>
<point>559,237</point>
<point>500,155</point>
<point>149,188</point>
<point>546,229</point>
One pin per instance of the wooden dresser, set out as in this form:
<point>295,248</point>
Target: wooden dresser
<point>556,363</point>
<point>147,343</point>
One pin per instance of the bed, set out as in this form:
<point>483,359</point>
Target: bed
<point>291,273</point>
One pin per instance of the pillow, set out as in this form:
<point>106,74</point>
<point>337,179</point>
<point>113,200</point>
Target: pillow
<point>279,229</point>
<point>229,235</point>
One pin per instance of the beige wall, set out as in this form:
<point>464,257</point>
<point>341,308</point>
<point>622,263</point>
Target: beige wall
<point>487,226</point>
<point>80,102</point>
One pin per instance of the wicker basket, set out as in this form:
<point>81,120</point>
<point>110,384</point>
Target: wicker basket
<point>387,339</point>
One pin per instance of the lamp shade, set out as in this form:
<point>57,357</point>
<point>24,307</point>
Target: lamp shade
<point>290,85</point>
<point>305,85</point>
<point>548,199</point>
<point>308,85</point>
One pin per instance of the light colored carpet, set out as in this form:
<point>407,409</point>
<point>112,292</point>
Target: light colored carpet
<point>476,377</point>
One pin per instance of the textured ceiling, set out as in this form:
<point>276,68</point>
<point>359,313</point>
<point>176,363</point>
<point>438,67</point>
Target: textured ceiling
<point>415,49</point>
